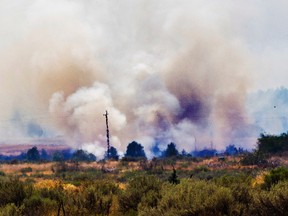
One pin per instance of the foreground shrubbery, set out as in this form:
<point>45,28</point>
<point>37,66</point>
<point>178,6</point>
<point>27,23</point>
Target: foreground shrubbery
<point>55,197</point>
<point>226,193</point>
<point>191,197</point>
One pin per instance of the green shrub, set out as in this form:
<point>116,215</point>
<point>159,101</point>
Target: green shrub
<point>254,158</point>
<point>12,191</point>
<point>60,167</point>
<point>276,175</point>
<point>37,205</point>
<point>96,197</point>
<point>173,178</point>
<point>11,210</point>
<point>141,187</point>
<point>273,202</point>
<point>232,179</point>
<point>191,197</point>
<point>201,172</point>
<point>272,144</point>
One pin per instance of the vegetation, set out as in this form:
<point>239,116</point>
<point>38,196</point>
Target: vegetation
<point>271,144</point>
<point>135,151</point>
<point>174,178</point>
<point>174,184</point>
<point>113,154</point>
<point>78,189</point>
<point>275,176</point>
<point>81,155</point>
<point>171,150</point>
<point>33,154</point>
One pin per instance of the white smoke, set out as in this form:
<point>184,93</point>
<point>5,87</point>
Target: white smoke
<point>166,71</point>
<point>80,114</point>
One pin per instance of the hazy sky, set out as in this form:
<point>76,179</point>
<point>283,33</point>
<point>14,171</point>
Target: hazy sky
<point>163,68</point>
<point>265,32</point>
<point>260,25</point>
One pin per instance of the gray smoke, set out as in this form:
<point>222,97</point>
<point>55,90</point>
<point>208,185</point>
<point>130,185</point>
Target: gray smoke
<point>165,71</point>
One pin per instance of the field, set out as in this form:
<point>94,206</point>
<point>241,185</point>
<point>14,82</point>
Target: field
<point>247,183</point>
<point>171,186</point>
<point>230,163</point>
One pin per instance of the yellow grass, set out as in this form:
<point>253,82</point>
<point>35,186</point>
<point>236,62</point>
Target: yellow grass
<point>259,179</point>
<point>122,186</point>
<point>16,168</point>
<point>52,184</point>
<point>46,168</point>
<point>47,183</point>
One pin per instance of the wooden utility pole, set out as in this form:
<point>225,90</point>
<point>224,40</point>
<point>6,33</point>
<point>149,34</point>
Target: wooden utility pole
<point>107,135</point>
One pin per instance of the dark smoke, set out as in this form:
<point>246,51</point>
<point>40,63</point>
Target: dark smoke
<point>166,71</point>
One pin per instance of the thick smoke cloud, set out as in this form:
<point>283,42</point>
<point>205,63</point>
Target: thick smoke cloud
<point>165,71</point>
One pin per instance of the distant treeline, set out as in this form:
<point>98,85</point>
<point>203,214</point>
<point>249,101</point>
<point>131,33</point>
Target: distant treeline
<point>135,151</point>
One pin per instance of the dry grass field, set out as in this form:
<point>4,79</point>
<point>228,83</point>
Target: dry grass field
<point>16,149</point>
<point>230,163</point>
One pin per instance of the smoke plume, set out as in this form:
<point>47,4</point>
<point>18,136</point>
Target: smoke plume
<point>166,71</point>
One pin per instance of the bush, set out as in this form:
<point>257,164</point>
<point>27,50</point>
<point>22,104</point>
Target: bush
<point>81,155</point>
<point>26,170</point>
<point>276,175</point>
<point>98,197</point>
<point>12,191</point>
<point>94,197</point>
<point>241,191</point>
<point>272,144</point>
<point>192,197</point>
<point>273,202</point>
<point>232,179</point>
<point>254,158</point>
<point>36,205</point>
<point>173,178</point>
<point>11,210</point>
<point>146,188</point>
<point>60,167</point>
<point>202,172</point>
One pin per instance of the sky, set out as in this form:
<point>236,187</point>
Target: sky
<point>188,71</point>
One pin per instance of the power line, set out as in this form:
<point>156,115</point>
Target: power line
<point>107,135</point>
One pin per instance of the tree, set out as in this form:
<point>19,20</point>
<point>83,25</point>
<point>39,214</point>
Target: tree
<point>58,156</point>
<point>135,150</point>
<point>33,154</point>
<point>269,144</point>
<point>184,153</point>
<point>231,150</point>
<point>81,155</point>
<point>113,154</point>
<point>171,150</point>
<point>44,155</point>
